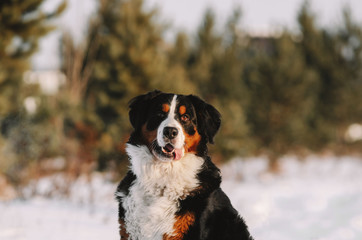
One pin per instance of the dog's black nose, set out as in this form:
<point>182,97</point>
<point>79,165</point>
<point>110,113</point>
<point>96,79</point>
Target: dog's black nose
<point>170,132</point>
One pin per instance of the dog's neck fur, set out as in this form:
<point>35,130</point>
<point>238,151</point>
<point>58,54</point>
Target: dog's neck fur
<point>175,179</point>
<point>154,197</point>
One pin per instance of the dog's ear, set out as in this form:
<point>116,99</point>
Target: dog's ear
<point>138,108</point>
<point>208,118</point>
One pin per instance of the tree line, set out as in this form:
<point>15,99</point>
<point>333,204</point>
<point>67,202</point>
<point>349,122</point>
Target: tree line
<point>292,92</point>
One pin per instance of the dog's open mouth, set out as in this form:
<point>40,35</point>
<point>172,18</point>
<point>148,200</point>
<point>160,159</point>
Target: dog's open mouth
<point>168,151</point>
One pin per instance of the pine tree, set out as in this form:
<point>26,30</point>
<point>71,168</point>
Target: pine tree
<point>216,67</point>
<point>283,92</point>
<point>349,36</point>
<point>131,58</point>
<point>232,94</point>
<point>22,24</point>
<point>207,51</point>
<point>176,78</point>
<point>322,53</point>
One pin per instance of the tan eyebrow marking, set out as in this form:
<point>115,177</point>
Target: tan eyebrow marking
<point>165,107</point>
<point>182,110</point>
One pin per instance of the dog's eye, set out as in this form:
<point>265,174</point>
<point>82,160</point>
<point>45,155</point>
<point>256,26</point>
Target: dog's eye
<point>185,118</point>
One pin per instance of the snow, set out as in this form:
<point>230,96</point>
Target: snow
<point>54,219</point>
<point>354,132</point>
<point>310,199</point>
<point>88,211</point>
<point>316,198</point>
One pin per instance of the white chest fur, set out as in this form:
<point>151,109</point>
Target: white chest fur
<point>152,201</point>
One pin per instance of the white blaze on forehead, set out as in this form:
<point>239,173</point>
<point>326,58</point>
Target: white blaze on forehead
<point>171,113</point>
<point>171,121</point>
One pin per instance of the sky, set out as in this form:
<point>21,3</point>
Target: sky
<point>259,17</point>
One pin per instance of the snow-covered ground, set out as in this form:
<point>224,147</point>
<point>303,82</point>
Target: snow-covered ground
<point>87,211</point>
<point>316,199</point>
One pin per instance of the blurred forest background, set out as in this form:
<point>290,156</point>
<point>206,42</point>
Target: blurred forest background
<point>293,92</point>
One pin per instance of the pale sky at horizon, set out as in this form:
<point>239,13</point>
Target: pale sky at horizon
<point>258,17</point>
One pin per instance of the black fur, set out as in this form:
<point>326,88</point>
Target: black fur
<point>215,218</point>
<point>139,107</point>
<point>209,119</point>
<point>123,188</point>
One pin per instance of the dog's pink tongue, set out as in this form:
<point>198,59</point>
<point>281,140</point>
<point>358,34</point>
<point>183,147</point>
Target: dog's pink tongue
<point>178,154</point>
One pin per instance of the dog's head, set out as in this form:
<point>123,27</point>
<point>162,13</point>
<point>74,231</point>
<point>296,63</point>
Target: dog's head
<point>171,125</point>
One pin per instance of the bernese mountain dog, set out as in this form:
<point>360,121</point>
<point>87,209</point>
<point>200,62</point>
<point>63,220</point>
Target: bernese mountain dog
<point>172,189</point>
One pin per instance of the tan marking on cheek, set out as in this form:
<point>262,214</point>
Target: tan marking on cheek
<point>165,107</point>
<point>182,110</point>
<point>192,141</point>
<point>181,226</point>
<point>148,136</point>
